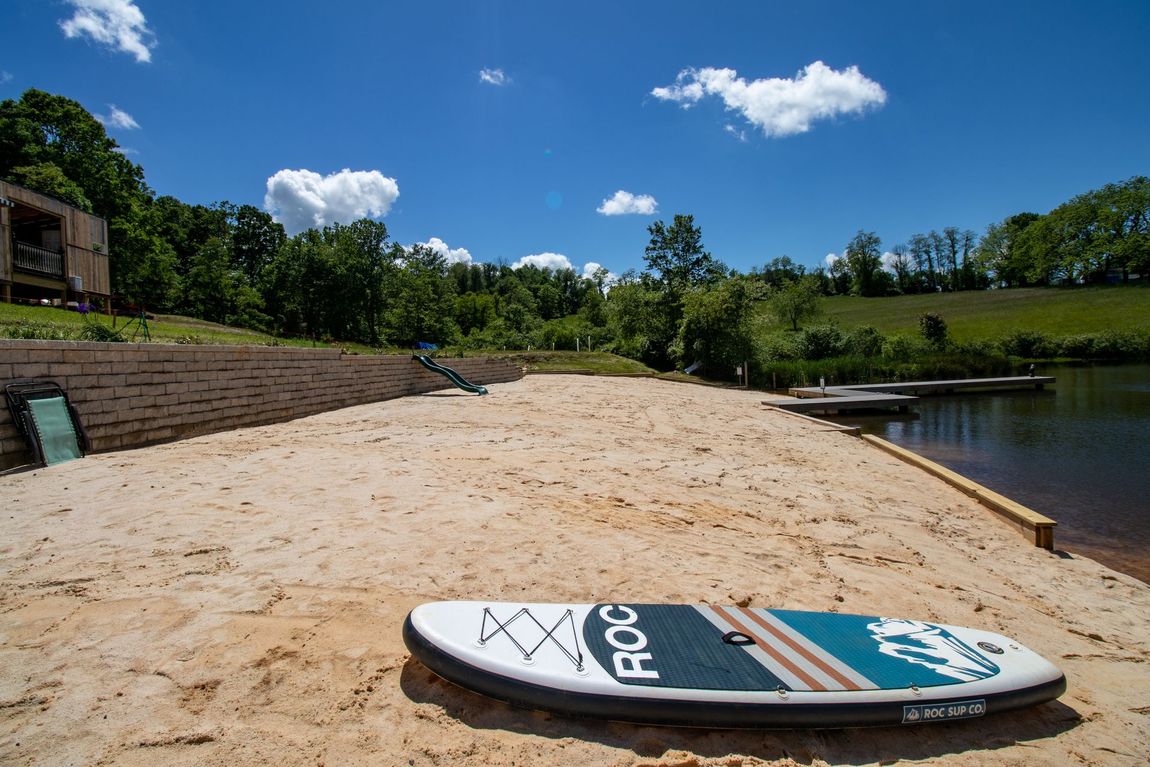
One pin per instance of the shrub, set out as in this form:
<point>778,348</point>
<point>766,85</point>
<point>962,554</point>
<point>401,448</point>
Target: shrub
<point>779,346</point>
<point>864,341</point>
<point>819,342</point>
<point>36,331</point>
<point>1028,344</point>
<point>94,331</point>
<point>933,329</point>
<point>1080,346</point>
<point>1116,344</point>
<point>903,348</point>
<point>978,347</point>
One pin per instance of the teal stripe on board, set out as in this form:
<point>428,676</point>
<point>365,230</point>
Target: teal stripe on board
<point>685,649</point>
<point>58,440</point>
<point>892,653</point>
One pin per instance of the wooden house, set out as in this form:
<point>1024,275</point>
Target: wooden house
<point>50,251</point>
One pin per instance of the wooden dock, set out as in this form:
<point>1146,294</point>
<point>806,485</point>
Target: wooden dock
<point>1005,383</point>
<point>837,400</point>
<point>899,395</point>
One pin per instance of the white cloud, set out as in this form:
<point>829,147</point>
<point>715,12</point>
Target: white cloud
<point>589,270</point>
<point>779,106</point>
<point>5,77</point>
<point>493,77</point>
<point>451,255</point>
<point>887,260</point>
<point>557,261</point>
<point>738,133</point>
<point>118,24</point>
<point>118,118</point>
<point>625,202</point>
<point>591,267</point>
<point>551,261</point>
<point>303,199</point>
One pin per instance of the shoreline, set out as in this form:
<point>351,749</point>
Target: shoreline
<point>238,597</point>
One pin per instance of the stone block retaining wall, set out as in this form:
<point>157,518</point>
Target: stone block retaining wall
<point>130,395</point>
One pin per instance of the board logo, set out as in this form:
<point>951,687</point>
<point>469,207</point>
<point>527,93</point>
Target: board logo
<point>627,640</point>
<point>938,712</point>
<point>932,646</point>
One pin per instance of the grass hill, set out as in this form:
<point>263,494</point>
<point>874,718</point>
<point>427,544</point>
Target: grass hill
<point>992,314</point>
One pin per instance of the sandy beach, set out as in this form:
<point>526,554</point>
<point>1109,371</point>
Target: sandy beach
<point>237,599</point>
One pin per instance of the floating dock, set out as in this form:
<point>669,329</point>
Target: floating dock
<point>900,395</point>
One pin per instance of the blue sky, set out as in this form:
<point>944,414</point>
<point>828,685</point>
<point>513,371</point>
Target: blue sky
<point>500,131</point>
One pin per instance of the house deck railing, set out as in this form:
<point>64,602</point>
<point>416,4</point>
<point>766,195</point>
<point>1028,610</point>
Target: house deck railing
<point>37,260</point>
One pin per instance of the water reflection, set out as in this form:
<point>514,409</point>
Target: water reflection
<point>1075,452</point>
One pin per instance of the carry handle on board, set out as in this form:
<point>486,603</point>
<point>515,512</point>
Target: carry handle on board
<point>737,638</point>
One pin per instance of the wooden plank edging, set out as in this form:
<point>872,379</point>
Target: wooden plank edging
<point>1028,520</point>
<point>853,431</point>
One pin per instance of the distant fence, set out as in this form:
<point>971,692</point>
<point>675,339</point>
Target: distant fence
<point>130,395</point>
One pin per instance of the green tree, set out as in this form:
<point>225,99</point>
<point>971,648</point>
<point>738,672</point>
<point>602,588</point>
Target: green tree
<point>779,272</point>
<point>43,129</point>
<point>716,327</point>
<point>676,263</point>
<point>594,307</point>
<point>47,178</point>
<point>1124,220</point>
<point>422,299</point>
<point>864,258</point>
<point>636,320</point>
<point>795,302</point>
<point>219,291</point>
<point>474,311</point>
<point>256,237</point>
<point>838,277</point>
<point>901,263</point>
<point>143,264</point>
<point>922,253</point>
<point>293,286</point>
<point>675,255</point>
<point>550,302</point>
<point>1001,252</point>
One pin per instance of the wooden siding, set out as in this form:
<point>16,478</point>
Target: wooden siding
<point>5,244</point>
<point>85,239</point>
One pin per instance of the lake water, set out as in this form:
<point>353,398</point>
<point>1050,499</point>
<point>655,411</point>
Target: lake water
<point>1078,452</point>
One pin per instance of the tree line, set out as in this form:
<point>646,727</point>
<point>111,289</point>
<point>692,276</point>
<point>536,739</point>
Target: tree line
<point>351,282</point>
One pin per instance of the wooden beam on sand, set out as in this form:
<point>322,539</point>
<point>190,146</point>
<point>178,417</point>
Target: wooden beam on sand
<point>1029,521</point>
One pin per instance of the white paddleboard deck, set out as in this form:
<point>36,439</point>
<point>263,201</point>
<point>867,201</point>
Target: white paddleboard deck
<point>714,666</point>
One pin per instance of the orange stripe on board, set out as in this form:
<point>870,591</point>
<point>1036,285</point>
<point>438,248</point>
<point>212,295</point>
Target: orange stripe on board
<point>810,681</point>
<point>818,662</point>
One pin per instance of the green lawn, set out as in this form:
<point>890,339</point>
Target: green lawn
<point>995,313</point>
<point>21,321</point>
<point>51,323</point>
<point>601,363</point>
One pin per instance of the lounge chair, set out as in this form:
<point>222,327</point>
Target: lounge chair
<point>47,420</point>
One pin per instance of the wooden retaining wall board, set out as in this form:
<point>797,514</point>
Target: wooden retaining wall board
<point>1029,521</point>
<point>131,395</point>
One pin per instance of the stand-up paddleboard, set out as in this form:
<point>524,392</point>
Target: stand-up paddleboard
<point>705,666</point>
